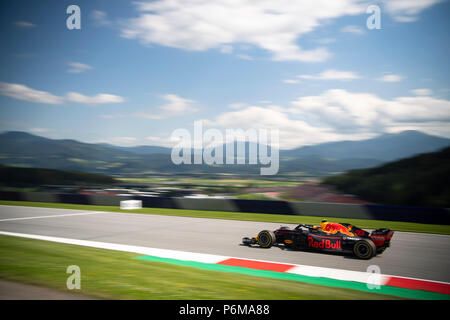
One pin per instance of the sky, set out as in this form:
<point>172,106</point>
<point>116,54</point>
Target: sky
<point>138,70</point>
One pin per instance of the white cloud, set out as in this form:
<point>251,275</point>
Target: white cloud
<point>163,142</point>
<point>153,139</point>
<point>25,24</point>
<point>100,18</point>
<point>391,78</point>
<point>274,26</point>
<point>78,67</point>
<point>331,74</point>
<point>407,10</point>
<point>244,57</point>
<point>292,132</point>
<point>226,49</point>
<point>422,92</point>
<point>364,112</point>
<point>419,108</point>
<point>175,106</point>
<point>339,109</point>
<point>353,29</point>
<point>340,115</point>
<point>22,92</point>
<point>291,81</point>
<point>100,98</point>
<point>436,128</point>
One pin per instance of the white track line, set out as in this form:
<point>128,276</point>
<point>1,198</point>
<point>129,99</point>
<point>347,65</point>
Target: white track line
<point>162,253</point>
<point>53,216</point>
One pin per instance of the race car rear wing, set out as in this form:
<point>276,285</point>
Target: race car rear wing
<point>381,237</point>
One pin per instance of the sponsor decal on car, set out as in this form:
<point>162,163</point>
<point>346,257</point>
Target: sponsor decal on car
<point>333,228</point>
<point>324,243</point>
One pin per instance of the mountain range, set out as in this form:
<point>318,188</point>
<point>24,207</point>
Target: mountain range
<point>386,147</point>
<point>27,150</point>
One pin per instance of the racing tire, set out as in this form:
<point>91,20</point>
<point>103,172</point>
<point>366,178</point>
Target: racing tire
<point>266,239</point>
<point>364,249</point>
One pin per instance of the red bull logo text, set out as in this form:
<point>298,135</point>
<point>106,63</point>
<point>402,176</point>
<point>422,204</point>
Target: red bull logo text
<point>324,244</point>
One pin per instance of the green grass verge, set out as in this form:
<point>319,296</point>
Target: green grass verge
<point>276,218</point>
<point>116,275</point>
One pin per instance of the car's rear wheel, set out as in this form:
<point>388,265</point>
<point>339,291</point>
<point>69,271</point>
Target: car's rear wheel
<point>364,249</point>
<point>266,239</point>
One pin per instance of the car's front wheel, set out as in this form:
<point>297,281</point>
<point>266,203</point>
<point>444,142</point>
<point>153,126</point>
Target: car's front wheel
<point>266,239</point>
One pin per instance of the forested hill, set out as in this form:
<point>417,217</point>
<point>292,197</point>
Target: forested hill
<point>422,180</point>
<point>23,177</point>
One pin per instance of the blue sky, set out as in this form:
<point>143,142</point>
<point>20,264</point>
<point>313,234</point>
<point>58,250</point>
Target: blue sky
<point>135,72</point>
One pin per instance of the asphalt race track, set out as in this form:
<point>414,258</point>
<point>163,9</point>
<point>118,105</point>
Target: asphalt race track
<point>424,256</point>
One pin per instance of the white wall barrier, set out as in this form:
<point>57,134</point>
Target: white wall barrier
<point>130,204</point>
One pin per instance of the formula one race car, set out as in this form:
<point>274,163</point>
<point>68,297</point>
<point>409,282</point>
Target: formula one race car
<point>329,237</point>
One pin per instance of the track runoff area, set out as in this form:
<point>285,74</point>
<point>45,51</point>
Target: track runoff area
<point>25,219</point>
